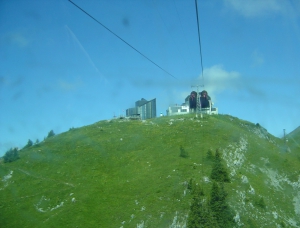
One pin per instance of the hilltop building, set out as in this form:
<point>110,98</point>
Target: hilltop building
<point>185,108</point>
<point>178,110</point>
<point>143,109</point>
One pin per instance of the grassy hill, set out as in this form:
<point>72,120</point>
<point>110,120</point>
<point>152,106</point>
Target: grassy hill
<point>122,173</point>
<point>293,141</point>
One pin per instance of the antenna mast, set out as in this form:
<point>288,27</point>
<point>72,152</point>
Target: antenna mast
<point>198,106</point>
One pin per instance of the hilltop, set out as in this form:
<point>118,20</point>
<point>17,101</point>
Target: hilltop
<point>294,136</point>
<point>128,173</point>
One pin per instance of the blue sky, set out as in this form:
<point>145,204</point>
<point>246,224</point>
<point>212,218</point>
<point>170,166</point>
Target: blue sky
<point>60,69</point>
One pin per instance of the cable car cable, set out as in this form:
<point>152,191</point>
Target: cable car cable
<point>122,39</point>
<point>199,40</point>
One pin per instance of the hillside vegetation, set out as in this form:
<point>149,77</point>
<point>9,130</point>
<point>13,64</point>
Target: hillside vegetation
<point>293,141</point>
<point>128,173</point>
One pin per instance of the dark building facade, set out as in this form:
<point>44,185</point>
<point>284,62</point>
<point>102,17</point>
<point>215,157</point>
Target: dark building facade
<point>143,108</point>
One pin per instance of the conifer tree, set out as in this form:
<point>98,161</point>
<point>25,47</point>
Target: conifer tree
<point>50,134</point>
<point>219,172</point>
<point>11,155</point>
<point>29,144</point>
<point>200,213</point>
<point>219,206</point>
<point>215,212</point>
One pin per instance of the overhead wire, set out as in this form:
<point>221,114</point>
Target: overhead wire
<point>121,39</point>
<point>196,6</point>
<point>199,39</point>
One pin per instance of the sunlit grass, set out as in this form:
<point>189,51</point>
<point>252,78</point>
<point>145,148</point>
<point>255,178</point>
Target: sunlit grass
<point>118,173</point>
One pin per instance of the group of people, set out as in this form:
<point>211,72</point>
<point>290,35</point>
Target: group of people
<point>205,100</point>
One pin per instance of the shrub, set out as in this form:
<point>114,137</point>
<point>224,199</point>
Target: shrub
<point>282,224</point>
<point>251,223</point>
<point>183,153</point>
<point>209,155</point>
<point>190,184</point>
<point>11,155</point>
<point>261,203</point>
<point>195,189</point>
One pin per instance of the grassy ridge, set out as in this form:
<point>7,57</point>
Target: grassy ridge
<point>127,173</point>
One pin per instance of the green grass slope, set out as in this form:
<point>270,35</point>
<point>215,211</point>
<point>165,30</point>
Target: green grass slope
<point>293,141</point>
<point>122,173</point>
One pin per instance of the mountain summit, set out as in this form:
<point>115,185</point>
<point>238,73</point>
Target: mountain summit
<point>129,173</point>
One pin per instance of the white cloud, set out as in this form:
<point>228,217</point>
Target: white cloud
<point>253,8</point>
<point>217,80</point>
